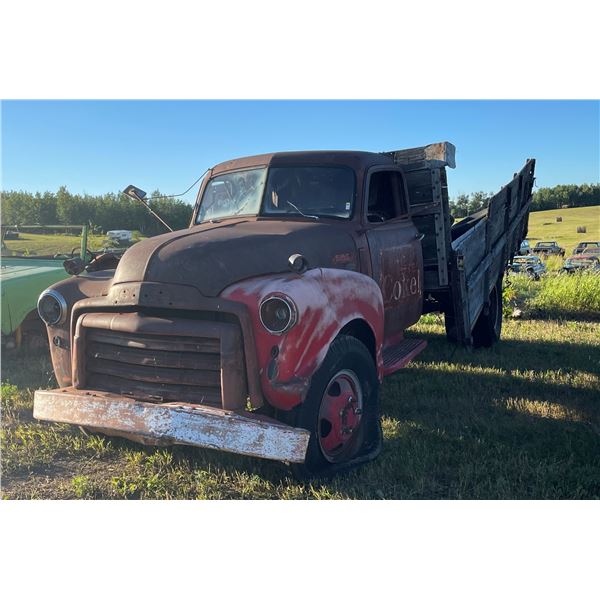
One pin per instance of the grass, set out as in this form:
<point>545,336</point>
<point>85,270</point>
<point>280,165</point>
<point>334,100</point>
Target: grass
<point>37,244</point>
<point>520,420</point>
<point>557,295</point>
<point>544,227</point>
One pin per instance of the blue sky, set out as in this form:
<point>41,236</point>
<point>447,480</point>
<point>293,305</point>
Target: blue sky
<point>101,146</point>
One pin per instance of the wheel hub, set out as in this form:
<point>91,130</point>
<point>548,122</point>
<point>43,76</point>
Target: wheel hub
<point>340,414</point>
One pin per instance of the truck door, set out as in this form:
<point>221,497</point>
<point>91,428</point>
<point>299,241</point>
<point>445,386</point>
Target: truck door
<point>395,249</point>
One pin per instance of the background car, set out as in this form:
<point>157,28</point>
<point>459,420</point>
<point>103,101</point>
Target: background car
<point>546,248</point>
<point>525,248</point>
<point>587,260</point>
<point>584,246</point>
<point>532,266</point>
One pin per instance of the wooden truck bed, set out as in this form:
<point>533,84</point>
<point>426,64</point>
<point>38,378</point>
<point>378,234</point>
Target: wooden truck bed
<point>462,262</point>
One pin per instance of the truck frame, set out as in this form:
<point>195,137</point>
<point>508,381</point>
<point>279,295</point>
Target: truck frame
<point>267,327</point>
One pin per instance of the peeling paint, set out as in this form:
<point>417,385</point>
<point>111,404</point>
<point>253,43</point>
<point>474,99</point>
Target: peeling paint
<point>177,423</point>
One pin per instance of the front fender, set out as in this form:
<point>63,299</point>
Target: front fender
<point>327,300</point>
<point>72,289</point>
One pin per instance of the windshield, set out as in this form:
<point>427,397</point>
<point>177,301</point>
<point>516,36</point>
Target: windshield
<point>311,192</point>
<point>232,194</point>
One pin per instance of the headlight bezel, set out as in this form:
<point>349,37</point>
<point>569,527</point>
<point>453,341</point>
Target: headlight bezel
<point>62,303</point>
<point>291,306</point>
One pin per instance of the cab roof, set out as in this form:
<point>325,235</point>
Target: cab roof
<point>348,158</point>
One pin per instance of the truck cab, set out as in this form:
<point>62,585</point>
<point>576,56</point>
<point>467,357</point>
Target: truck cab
<point>267,327</point>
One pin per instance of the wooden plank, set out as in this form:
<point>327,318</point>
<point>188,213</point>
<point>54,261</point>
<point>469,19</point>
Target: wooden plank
<point>440,154</point>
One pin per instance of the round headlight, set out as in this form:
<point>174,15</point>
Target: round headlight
<point>277,314</point>
<point>52,308</point>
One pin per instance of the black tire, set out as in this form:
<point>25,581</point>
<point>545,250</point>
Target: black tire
<point>450,325</point>
<point>489,324</point>
<point>347,358</point>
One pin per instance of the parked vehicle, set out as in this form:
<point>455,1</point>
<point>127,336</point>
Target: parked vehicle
<point>588,260</point>
<point>120,235</point>
<point>532,266</point>
<point>267,327</point>
<point>25,275</point>
<point>585,246</point>
<point>525,248</point>
<point>546,248</point>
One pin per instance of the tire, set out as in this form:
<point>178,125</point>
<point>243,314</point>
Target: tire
<point>450,325</point>
<point>341,411</point>
<point>489,324</point>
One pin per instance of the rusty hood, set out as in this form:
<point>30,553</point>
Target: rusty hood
<point>212,256</point>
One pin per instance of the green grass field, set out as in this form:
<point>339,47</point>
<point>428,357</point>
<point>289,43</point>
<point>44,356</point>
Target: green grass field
<point>520,420</point>
<point>37,244</point>
<point>544,227</point>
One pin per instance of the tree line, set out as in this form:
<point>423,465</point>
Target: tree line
<point>547,198</point>
<point>102,213</point>
<point>118,211</point>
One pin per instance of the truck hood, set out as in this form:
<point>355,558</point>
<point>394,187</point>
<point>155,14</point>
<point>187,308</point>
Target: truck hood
<point>19,268</point>
<point>23,280</point>
<point>212,256</point>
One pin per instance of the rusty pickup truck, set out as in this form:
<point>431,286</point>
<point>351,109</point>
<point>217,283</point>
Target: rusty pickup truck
<point>267,327</point>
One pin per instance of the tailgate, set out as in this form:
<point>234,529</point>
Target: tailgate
<point>479,256</point>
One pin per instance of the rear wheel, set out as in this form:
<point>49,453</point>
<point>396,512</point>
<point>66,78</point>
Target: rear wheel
<point>489,324</point>
<point>450,324</point>
<point>341,411</point>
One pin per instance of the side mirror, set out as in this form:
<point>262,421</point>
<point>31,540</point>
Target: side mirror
<point>135,193</point>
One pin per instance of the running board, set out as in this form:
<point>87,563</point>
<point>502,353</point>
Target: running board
<point>398,356</point>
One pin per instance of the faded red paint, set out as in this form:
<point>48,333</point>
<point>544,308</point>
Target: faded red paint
<point>327,300</point>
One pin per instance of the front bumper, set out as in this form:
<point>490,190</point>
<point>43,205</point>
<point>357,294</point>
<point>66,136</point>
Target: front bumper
<point>173,423</point>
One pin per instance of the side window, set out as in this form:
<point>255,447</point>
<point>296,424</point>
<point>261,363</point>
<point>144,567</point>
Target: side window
<point>385,197</point>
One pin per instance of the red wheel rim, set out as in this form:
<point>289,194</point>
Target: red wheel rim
<point>340,415</point>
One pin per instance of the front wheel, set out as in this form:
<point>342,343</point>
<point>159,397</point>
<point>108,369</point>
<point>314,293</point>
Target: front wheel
<point>341,411</point>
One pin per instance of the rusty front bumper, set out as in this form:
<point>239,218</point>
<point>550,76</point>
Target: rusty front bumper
<point>173,423</point>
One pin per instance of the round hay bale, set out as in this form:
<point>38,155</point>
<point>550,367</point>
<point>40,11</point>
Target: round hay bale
<point>559,219</point>
<point>581,229</point>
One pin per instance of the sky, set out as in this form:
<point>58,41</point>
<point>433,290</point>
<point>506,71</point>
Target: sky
<point>96,147</point>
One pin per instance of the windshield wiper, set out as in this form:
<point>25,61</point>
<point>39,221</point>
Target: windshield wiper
<point>307,216</point>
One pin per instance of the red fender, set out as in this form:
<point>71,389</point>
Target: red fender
<point>326,300</point>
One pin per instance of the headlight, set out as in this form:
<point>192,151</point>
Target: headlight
<point>52,308</point>
<point>277,314</point>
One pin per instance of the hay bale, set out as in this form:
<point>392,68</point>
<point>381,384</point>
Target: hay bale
<point>581,229</point>
<point>559,219</point>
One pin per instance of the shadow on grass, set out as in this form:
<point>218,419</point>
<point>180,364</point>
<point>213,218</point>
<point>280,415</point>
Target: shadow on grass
<point>457,423</point>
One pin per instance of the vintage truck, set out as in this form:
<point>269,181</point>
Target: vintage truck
<point>267,327</point>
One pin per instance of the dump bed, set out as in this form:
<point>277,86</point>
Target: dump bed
<point>462,261</point>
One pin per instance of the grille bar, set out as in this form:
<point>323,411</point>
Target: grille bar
<point>134,356</point>
<point>155,392</point>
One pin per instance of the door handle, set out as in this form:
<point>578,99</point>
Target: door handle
<point>419,236</point>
